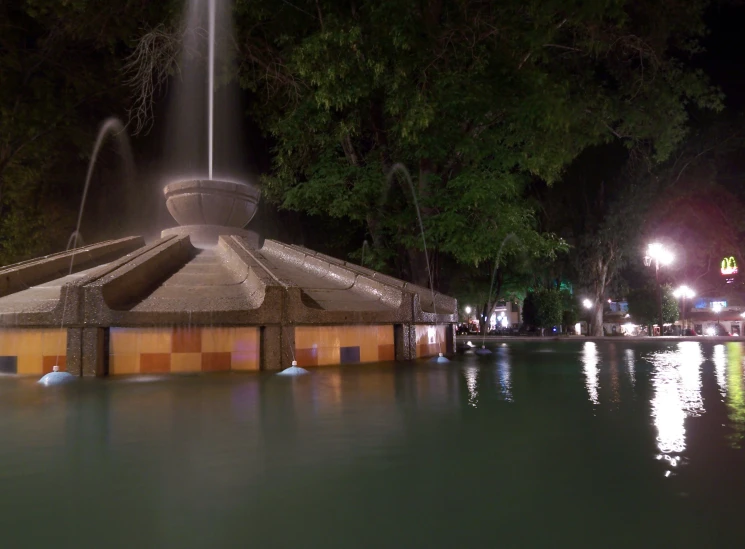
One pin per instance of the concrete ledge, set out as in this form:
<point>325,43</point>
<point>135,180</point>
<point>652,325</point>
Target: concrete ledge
<point>32,273</point>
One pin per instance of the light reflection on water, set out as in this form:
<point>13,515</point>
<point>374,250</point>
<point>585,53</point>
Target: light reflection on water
<point>590,360</point>
<point>630,365</point>
<point>676,380</point>
<point>735,395</point>
<point>720,367</point>
<point>504,372</point>
<point>471,374</point>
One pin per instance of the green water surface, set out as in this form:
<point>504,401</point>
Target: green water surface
<point>571,444</point>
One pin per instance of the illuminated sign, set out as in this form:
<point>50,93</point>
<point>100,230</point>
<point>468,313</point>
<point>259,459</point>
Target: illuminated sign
<point>729,266</point>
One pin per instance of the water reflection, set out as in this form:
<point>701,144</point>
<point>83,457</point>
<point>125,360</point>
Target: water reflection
<point>614,381</point>
<point>471,374</point>
<point>720,367</point>
<point>630,365</point>
<point>590,361</point>
<point>676,381</point>
<point>735,396</point>
<point>504,372</point>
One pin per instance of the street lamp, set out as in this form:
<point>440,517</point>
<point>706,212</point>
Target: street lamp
<point>657,254</point>
<point>686,293</point>
<point>587,303</point>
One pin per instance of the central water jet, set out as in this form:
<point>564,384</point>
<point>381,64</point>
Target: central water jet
<point>205,207</point>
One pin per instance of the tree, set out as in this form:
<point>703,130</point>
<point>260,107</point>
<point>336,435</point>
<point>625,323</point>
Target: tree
<point>643,305</point>
<point>60,77</point>
<point>570,314</point>
<point>477,99</point>
<point>543,308</point>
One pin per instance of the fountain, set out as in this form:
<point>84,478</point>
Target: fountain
<point>210,295</point>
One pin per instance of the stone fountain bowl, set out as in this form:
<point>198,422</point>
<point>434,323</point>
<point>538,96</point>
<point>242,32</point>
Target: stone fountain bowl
<point>210,202</point>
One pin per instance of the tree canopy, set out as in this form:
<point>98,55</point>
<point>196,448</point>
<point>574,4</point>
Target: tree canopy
<point>476,99</point>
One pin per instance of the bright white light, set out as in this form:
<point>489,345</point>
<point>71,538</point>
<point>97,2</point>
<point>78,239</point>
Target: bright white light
<point>578,328</point>
<point>710,331</point>
<point>676,378</point>
<point>590,361</point>
<point>717,307</point>
<point>587,304</point>
<point>505,323</point>
<point>468,310</point>
<point>684,291</point>
<point>658,252</point>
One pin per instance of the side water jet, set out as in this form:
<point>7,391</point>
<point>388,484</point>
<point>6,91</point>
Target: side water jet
<point>75,241</point>
<point>483,350</point>
<point>114,127</point>
<point>398,167</point>
<point>294,370</point>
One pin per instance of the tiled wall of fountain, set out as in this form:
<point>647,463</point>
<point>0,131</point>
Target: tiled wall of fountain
<point>181,349</point>
<point>32,351</point>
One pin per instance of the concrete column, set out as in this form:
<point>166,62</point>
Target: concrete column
<point>74,359</point>
<point>277,347</point>
<point>404,338</point>
<point>95,355</point>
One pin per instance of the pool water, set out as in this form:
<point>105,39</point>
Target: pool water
<point>570,444</point>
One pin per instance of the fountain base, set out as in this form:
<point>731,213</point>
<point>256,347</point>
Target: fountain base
<point>207,236</point>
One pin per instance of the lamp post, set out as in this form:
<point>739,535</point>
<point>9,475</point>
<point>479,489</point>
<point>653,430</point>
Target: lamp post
<point>717,309</point>
<point>657,254</point>
<point>684,292</point>
<point>587,304</point>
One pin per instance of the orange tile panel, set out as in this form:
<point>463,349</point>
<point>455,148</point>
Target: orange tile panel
<point>124,363</point>
<point>154,340</point>
<point>306,357</point>
<point>30,364</point>
<point>155,363</point>
<point>54,342</point>
<point>385,335</point>
<point>349,336</point>
<point>244,361</point>
<point>217,340</point>
<point>49,361</point>
<point>245,340</point>
<point>216,362</point>
<point>186,340</point>
<point>186,362</point>
<point>329,355</point>
<point>386,352</point>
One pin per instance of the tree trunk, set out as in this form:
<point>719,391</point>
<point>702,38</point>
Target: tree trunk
<point>596,321</point>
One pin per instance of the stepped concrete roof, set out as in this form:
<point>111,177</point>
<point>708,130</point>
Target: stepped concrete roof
<point>127,283</point>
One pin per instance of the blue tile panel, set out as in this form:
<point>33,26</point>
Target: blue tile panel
<point>349,355</point>
<point>8,364</point>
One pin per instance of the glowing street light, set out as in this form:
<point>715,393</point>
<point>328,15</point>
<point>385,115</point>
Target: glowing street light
<point>717,309</point>
<point>658,254</point>
<point>468,310</point>
<point>587,304</point>
<point>686,293</point>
